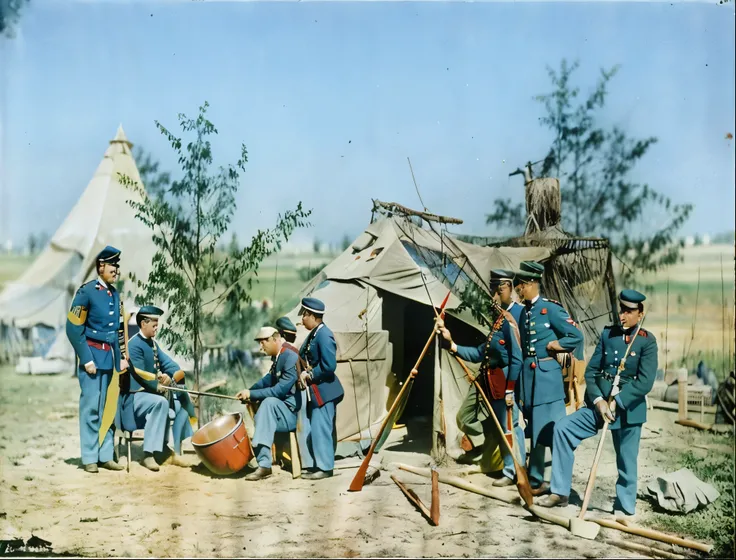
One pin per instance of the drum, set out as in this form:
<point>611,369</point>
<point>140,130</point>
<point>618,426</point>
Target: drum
<point>223,444</point>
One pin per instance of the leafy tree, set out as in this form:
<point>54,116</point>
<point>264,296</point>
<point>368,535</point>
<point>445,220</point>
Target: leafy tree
<point>9,15</point>
<point>188,274</point>
<point>593,162</point>
<point>155,182</point>
<point>316,245</point>
<point>345,242</point>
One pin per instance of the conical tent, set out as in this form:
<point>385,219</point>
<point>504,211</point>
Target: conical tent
<point>379,295</point>
<point>42,295</point>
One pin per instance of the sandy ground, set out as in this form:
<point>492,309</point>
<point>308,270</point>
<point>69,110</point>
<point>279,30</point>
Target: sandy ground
<point>183,511</point>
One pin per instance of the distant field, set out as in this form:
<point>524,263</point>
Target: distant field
<point>706,330</point>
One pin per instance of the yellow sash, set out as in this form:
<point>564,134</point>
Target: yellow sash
<point>113,390</point>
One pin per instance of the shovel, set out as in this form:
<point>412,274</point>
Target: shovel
<point>578,527</point>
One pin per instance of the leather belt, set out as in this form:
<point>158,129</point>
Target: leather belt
<point>98,345</point>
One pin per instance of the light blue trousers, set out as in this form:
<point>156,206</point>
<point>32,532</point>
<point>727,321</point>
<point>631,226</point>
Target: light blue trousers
<point>273,416</point>
<point>151,413</point>
<point>581,425</point>
<point>541,421</point>
<point>91,406</point>
<point>318,436</point>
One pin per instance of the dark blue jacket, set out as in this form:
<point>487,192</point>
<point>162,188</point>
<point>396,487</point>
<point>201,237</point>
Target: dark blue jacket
<point>319,351</point>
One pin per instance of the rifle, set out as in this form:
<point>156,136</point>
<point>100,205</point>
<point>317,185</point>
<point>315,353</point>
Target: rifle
<point>612,406</point>
<point>357,484</point>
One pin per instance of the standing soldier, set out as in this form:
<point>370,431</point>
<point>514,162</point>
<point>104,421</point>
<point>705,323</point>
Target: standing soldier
<point>546,330</point>
<point>145,404</point>
<point>500,359</point>
<point>279,398</point>
<point>324,392</point>
<point>94,329</point>
<point>626,416</point>
<point>502,284</point>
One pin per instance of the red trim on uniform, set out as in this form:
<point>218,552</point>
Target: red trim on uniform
<point>534,365</point>
<point>317,396</point>
<point>544,311</point>
<point>510,385</point>
<point>99,345</point>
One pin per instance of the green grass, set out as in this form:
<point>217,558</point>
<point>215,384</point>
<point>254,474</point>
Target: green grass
<point>714,523</point>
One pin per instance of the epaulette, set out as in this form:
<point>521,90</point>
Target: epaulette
<point>554,301</point>
<point>643,333</point>
<point>85,284</point>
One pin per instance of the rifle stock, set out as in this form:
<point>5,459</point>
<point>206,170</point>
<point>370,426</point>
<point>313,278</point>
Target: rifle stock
<point>357,483</point>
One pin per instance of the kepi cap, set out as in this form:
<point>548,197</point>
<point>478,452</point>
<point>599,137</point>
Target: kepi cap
<point>150,311</point>
<point>313,305</point>
<point>501,275</point>
<point>284,324</point>
<point>631,298</point>
<point>109,255</point>
<point>530,270</point>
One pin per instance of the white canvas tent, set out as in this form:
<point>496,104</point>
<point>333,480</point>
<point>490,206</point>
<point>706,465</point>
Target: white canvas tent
<point>377,294</point>
<point>41,297</point>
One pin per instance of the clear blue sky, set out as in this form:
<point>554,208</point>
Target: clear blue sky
<point>330,98</point>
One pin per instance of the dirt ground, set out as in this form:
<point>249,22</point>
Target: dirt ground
<point>185,512</point>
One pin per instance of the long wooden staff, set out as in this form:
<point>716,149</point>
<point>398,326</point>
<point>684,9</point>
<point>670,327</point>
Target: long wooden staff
<point>357,484</point>
<point>612,406</point>
<point>200,393</point>
<point>522,479</point>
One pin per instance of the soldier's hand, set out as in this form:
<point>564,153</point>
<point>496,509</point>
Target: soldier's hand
<point>443,330</point>
<point>164,379</point>
<point>605,412</point>
<point>123,364</point>
<point>90,368</point>
<point>304,378</point>
<point>243,395</point>
<point>161,389</point>
<point>554,346</point>
<point>509,399</point>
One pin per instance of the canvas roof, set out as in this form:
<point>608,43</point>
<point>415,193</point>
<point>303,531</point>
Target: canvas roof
<point>390,258</point>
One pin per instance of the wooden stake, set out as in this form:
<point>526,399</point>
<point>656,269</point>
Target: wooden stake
<point>434,507</point>
<point>457,482</point>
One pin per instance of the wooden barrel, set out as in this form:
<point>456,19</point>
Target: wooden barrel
<point>223,444</point>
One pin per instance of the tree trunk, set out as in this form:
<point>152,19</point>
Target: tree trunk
<point>543,202</point>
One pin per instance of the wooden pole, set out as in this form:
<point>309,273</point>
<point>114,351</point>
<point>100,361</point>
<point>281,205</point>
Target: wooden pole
<point>654,535</point>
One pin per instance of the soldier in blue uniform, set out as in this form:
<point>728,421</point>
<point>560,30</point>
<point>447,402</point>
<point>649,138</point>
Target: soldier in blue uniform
<point>278,396</point>
<point>546,330</point>
<point>500,359</point>
<point>146,404</point>
<point>502,285</point>
<point>94,329</point>
<point>625,417</point>
<point>324,391</point>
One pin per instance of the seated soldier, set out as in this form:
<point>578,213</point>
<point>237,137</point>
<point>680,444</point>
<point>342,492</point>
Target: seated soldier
<point>147,404</point>
<point>278,396</point>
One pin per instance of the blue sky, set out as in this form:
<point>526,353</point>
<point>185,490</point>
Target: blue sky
<point>330,98</point>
